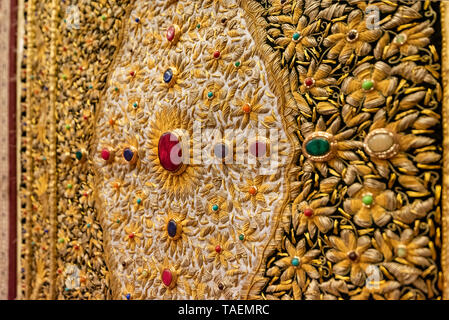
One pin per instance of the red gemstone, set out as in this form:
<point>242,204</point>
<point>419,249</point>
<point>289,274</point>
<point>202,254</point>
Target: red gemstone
<point>258,149</point>
<point>309,82</point>
<point>131,235</point>
<point>85,194</point>
<point>167,277</point>
<point>105,154</point>
<point>170,33</point>
<point>217,54</point>
<point>132,73</point>
<point>170,152</point>
<point>308,212</point>
<point>218,249</point>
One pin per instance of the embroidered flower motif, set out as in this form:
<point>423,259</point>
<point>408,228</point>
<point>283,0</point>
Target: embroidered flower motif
<point>255,190</point>
<point>298,263</point>
<point>174,230</point>
<point>313,214</point>
<point>173,74</point>
<point>295,39</point>
<point>218,55</point>
<point>352,255</point>
<point>410,249</point>
<point>392,143</point>
<point>133,235</point>
<point>316,79</point>
<point>219,250</point>
<point>351,37</point>
<point>328,146</point>
<point>242,66</point>
<point>369,203</point>
<point>409,41</point>
<point>370,86</point>
<point>250,108</point>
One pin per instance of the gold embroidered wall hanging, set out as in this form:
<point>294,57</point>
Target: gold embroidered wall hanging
<point>234,149</point>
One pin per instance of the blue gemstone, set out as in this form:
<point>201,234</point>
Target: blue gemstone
<point>168,75</point>
<point>171,228</point>
<point>137,20</point>
<point>128,296</point>
<point>128,155</point>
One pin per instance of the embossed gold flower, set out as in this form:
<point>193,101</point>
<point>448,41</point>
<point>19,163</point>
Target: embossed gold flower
<point>249,108</point>
<point>255,190</point>
<point>409,41</point>
<point>410,249</point>
<point>133,235</point>
<point>177,180</point>
<point>298,263</point>
<point>219,250</point>
<point>313,215</point>
<point>328,146</point>
<point>174,231</point>
<point>296,38</point>
<point>370,86</point>
<point>352,255</point>
<point>388,143</point>
<point>353,37</point>
<point>369,203</point>
<point>316,79</point>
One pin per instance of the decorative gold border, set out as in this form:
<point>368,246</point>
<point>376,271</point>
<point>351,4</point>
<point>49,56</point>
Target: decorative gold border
<point>444,6</point>
<point>108,255</point>
<point>31,8</point>
<point>278,82</point>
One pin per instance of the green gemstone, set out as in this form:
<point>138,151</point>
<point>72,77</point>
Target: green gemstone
<point>64,77</point>
<point>210,94</point>
<point>367,84</point>
<point>296,36</point>
<point>198,26</point>
<point>400,39</point>
<point>367,200</point>
<point>103,17</point>
<point>237,64</point>
<point>118,221</point>
<point>88,225</point>
<point>402,252</point>
<point>139,201</point>
<point>295,262</point>
<point>241,237</point>
<point>69,186</point>
<point>61,240</point>
<point>67,126</point>
<point>116,89</point>
<point>135,104</point>
<point>215,207</point>
<point>79,155</point>
<point>90,86</point>
<point>318,147</point>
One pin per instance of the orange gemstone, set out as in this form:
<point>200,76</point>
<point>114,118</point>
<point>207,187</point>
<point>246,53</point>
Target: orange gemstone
<point>252,191</point>
<point>246,108</point>
<point>111,122</point>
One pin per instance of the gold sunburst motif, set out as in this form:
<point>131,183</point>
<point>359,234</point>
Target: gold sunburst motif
<point>175,230</point>
<point>176,184</point>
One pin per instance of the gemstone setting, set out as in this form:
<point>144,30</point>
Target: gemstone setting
<point>381,143</point>
<point>130,155</point>
<point>168,278</point>
<point>319,146</point>
<point>170,152</point>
